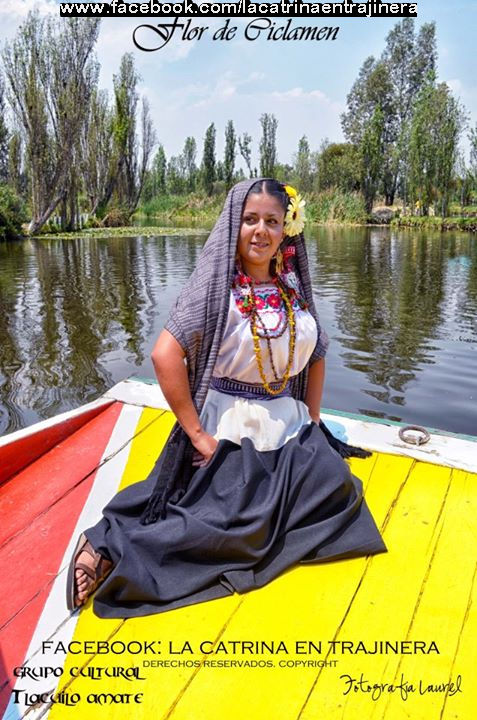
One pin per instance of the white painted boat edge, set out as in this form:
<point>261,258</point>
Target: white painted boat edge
<point>379,436</point>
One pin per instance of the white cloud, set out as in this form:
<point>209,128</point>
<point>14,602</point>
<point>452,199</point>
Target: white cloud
<point>191,108</point>
<point>18,9</point>
<point>116,38</point>
<point>456,86</point>
<point>14,12</point>
<point>309,101</point>
<point>466,93</point>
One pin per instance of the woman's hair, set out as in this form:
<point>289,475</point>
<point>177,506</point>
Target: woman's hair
<point>273,188</point>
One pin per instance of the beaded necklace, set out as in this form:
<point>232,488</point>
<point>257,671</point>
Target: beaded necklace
<point>246,285</point>
<point>290,322</point>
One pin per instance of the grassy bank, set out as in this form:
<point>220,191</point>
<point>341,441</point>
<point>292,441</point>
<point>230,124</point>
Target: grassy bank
<point>464,224</point>
<point>193,208</point>
<point>328,207</point>
<point>334,207</point>
<point>181,214</point>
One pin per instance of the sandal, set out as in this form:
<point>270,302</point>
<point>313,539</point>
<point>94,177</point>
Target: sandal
<point>102,568</point>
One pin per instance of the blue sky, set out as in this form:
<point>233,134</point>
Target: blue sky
<point>304,83</point>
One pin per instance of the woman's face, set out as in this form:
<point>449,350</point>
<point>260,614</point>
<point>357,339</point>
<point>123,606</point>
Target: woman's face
<point>261,232</point>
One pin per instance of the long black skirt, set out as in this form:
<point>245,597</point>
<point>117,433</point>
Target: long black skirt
<point>244,519</point>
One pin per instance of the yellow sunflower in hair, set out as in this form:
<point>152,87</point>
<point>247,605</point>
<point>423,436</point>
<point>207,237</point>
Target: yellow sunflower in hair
<point>290,191</point>
<point>295,218</point>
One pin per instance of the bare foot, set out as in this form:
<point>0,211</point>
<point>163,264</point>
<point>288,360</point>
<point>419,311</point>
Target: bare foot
<point>84,583</point>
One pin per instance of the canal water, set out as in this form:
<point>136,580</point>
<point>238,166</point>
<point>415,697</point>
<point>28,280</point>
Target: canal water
<point>400,307</point>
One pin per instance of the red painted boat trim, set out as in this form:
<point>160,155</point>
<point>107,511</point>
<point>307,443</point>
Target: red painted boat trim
<point>42,483</point>
<point>45,501</point>
<point>19,453</point>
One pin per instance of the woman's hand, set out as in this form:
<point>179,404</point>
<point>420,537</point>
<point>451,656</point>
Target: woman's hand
<point>205,446</point>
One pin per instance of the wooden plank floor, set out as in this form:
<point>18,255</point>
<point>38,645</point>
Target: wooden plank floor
<point>423,589</point>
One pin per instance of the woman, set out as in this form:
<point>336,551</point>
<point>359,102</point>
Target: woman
<point>248,483</point>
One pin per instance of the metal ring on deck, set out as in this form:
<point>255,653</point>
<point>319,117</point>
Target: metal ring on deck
<point>413,440</point>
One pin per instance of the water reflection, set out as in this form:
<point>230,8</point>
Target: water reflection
<point>76,316</point>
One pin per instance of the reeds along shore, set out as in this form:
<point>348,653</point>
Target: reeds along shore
<point>333,207</point>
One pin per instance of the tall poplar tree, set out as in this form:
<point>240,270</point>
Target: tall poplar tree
<point>16,176</point>
<point>245,147</point>
<point>4,135</point>
<point>433,149</point>
<point>371,149</point>
<point>473,155</point>
<point>410,58</point>
<point>302,166</point>
<point>159,169</point>
<point>229,154</point>
<point>131,149</point>
<point>190,168</point>
<point>268,145</point>
<point>96,144</point>
<point>208,160</point>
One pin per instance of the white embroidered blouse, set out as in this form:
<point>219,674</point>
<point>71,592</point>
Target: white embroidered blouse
<point>236,358</point>
<point>269,423</point>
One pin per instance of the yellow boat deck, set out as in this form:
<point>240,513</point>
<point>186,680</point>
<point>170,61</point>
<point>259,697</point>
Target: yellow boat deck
<point>422,590</point>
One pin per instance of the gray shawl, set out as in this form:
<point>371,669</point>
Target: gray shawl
<point>197,320</point>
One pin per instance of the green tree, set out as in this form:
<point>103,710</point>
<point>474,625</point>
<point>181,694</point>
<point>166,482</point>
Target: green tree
<point>175,175</point>
<point>433,151</point>
<point>245,147</point>
<point>16,177</point>
<point>361,101</point>
<point>283,172</point>
<point>409,58</point>
<point>337,165</point>
<point>463,180</point>
<point>147,142</point>
<point>422,157</point>
<point>155,182</point>
<point>208,160</point>
<point>190,168</point>
<point>12,213</point>
<point>473,155</point>
<point>51,74</point>
<point>371,150</point>
<point>302,166</point>
<point>132,150</point>
<point>392,82</point>
<point>268,145</point>
<point>229,154</point>
<point>372,89</point>
<point>451,124</point>
<point>219,171</point>
<point>4,135</point>
<point>239,176</point>
<point>96,144</point>
<point>159,167</point>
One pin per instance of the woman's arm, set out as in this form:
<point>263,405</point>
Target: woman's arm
<point>314,391</point>
<point>168,359</point>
